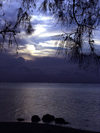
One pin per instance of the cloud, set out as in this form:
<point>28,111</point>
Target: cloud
<point>36,61</point>
<point>43,38</point>
<point>45,69</point>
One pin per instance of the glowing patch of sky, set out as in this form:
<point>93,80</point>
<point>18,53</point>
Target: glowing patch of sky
<point>37,44</point>
<point>42,41</point>
<point>30,52</point>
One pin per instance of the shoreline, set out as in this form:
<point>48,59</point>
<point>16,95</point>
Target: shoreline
<point>26,127</point>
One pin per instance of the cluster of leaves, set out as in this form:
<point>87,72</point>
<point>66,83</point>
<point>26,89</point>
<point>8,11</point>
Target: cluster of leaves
<point>9,31</point>
<point>84,16</point>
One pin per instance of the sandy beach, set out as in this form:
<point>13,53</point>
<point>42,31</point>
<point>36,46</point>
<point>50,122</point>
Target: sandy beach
<point>22,127</point>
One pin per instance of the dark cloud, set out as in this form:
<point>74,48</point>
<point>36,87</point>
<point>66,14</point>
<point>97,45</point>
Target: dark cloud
<point>41,69</point>
<point>47,69</point>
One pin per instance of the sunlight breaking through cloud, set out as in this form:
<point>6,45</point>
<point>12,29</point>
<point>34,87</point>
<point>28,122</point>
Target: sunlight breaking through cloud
<point>42,42</point>
<point>42,50</point>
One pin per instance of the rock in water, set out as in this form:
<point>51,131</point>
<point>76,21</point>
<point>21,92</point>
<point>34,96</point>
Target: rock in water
<point>48,118</point>
<point>60,121</point>
<point>20,119</point>
<point>35,118</point>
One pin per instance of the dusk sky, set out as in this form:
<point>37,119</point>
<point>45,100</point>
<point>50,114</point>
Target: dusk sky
<point>49,66</point>
<point>37,59</point>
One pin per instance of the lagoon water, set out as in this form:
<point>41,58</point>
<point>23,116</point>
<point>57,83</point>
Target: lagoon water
<point>79,104</point>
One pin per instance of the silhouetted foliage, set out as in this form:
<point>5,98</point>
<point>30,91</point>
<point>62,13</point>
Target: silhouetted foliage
<point>9,31</point>
<point>84,16</point>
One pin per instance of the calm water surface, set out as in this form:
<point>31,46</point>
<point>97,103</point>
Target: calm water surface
<point>79,104</point>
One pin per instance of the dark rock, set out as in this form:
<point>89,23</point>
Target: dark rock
<point>60,121</point>
<point>35,118</point>
<point>48,118</point>
<point>20,119</point>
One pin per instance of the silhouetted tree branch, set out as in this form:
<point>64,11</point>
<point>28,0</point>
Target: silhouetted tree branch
<point>84,16</point>
<point>9,30</point>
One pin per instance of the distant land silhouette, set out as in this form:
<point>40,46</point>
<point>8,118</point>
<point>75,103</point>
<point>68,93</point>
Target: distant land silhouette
<point>47,69</point>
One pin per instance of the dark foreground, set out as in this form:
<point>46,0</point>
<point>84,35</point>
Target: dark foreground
<point>17,127</point>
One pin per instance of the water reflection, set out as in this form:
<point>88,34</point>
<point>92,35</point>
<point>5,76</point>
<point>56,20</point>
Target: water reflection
<point>78,104</point>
